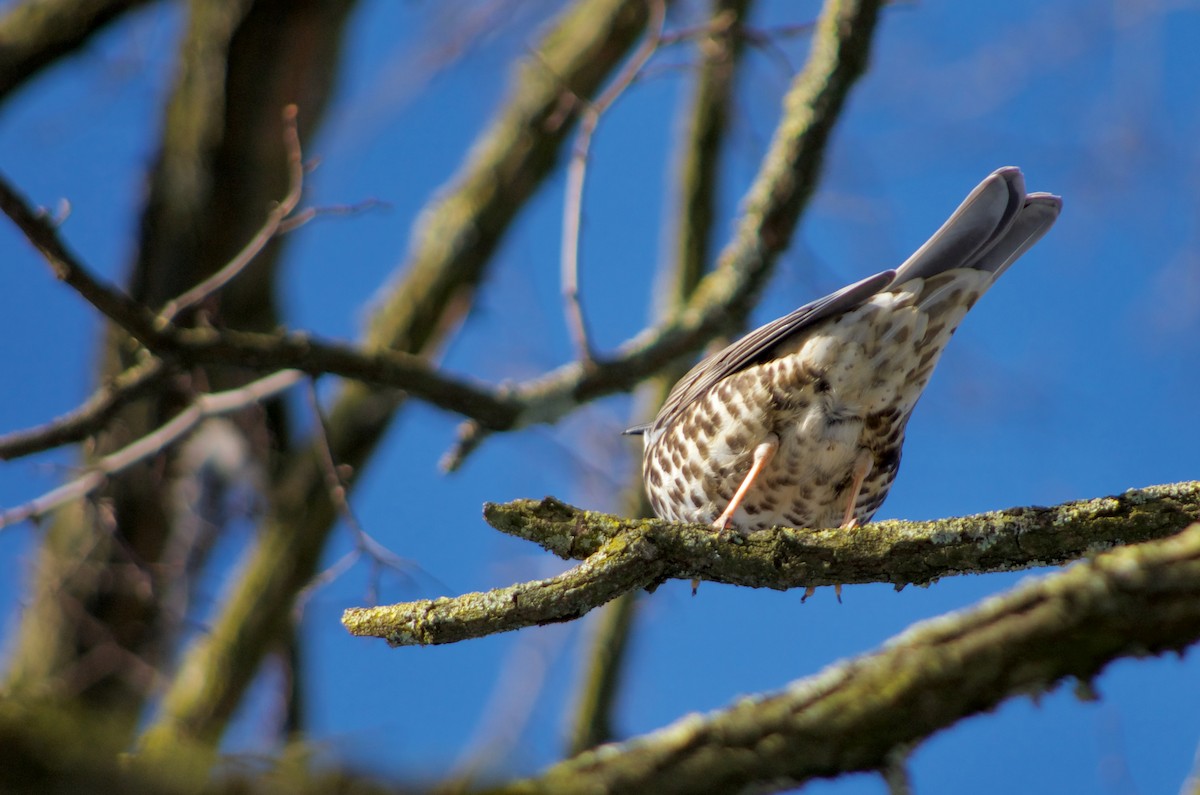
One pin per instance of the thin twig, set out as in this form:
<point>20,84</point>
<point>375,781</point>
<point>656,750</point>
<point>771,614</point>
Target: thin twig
<point>312,213</point>
<point>295,165</point>
<point>577,171</point>
<point>112,302</point>
<point>89,417</point>
<point>205,406</point>
<point>380,556</point>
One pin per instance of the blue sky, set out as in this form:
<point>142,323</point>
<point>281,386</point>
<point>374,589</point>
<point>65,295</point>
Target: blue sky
<point>1075,377</point>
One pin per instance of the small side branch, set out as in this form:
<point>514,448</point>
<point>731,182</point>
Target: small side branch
<point>270,227</point>
<point>205,406</point>
<point>623,564</point>
<point>577,171</point>
<point>41,232</point>
<point>76,425</point>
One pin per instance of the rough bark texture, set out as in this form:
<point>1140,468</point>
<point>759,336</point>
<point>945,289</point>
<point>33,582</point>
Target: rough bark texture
<point>622,554</point>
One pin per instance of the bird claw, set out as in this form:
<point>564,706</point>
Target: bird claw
<point>812,589</point>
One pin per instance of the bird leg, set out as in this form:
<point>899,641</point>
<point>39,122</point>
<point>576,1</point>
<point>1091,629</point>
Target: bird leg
<point>862,467</point>
<point>762,456</point>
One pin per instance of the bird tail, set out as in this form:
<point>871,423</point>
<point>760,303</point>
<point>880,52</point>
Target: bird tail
<point>994,225</point>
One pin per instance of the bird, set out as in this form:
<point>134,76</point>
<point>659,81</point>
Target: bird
<point>801,422</point>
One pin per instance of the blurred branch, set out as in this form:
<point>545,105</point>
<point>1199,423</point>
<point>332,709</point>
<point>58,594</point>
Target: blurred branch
<point>96,583</point>
<point>36,33</point>
<point>720,303</point>
<point>132,317</point>
<point>204,407</point>
<point>577,171</point>
<point>850,717</point>
<point>708,124</point>
<point>218,170</point>
<point>207,345</point>
<point>592,723</point>
<point>454,242</point>
<point>379,556</point>
<point>270,227</point>
<point>54,751</point>
<point>621,554</point>
<point>138,381</point>
<point>110,300</point>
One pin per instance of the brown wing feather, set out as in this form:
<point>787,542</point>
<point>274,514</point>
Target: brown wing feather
<point>756,346</point>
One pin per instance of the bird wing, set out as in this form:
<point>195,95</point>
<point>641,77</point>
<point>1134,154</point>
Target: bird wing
<point>992,227</point>
<point>756,346</point>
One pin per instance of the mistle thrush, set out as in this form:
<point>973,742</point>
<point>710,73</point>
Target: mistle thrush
<point>800,423</point>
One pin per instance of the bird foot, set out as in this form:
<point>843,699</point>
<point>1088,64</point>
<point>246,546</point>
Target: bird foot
<point>812,589</point>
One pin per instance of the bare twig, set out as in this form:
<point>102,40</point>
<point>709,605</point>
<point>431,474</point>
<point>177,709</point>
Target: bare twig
<point>577,171</point>
<point>312,213</point>
<point>788,175</point>
<point>91,416</point>
<point>110,300</point>
<point>720,302</point>
<point>470,434</point>
<point>380,556</point>
<point>620,555</point>
<point>138,380</point>
<point>205,406</point>
<point>275,218</point>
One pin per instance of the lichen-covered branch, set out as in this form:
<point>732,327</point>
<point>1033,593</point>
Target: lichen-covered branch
<point>624,563</point>
<point>894,552</point>
<point>1126,603</point>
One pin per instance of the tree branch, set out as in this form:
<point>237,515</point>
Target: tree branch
<point>204,407</point>
<point>113,303</point>
<point>720,302</point>
<point>850,717</point>
<point>622,554</point>
<point>36,33</point>
<point>455,239</point>
<point>138,381</point>
<point>577,172</point>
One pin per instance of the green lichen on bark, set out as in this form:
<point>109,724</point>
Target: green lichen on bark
<point>620,555</point>
<point>852,716</point>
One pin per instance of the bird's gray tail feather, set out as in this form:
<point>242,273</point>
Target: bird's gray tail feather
<point>994,225</point>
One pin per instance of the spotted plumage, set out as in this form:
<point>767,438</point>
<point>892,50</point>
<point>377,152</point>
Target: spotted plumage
<point>801,422</point>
